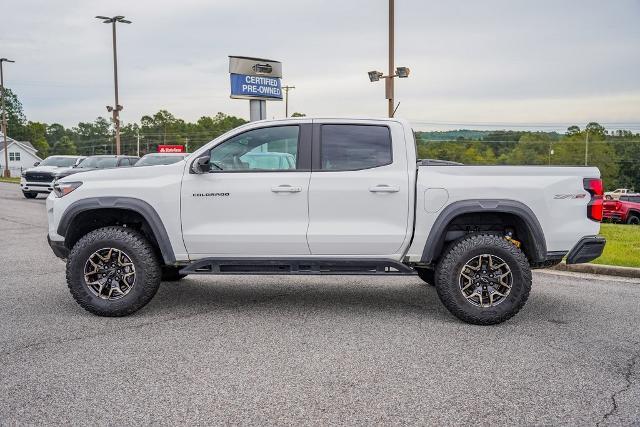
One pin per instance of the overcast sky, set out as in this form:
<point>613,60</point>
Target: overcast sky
<point>472,62</point>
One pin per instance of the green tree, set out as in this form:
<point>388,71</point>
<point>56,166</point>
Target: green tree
<point>532,149</point>
<point>16,119</point>
<point>65,147</point>
<point>35,132</point>
<point>573,130</point>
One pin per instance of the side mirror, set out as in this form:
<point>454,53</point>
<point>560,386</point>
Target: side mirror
<point>200,165</point>
<point>36,163</point>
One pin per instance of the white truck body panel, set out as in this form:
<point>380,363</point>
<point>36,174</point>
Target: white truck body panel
<point>563,220</point>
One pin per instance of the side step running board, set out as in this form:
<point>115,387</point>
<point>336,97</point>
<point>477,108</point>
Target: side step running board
<point>308,266</point>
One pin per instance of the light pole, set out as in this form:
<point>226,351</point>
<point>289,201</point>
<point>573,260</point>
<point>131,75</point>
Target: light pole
<point>7,173</point>
<point>401,72</point>
<point>286,99</point>
<point>117,108</point>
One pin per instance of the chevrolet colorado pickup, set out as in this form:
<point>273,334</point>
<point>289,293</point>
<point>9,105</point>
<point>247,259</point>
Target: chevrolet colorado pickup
<point>336,196</point>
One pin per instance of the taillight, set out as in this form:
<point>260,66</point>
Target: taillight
<point>596,189</point>
<point>618,205</point>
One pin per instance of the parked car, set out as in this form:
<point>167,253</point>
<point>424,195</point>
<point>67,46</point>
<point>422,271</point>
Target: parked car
<point>39,179</point>
<point>625,210</point>
<point>615,194</point>
<point>357,202</point>
<point>152,159</point>
<point>92,163</point>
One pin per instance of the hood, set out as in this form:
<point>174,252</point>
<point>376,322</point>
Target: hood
<point>66,171</point>
<point>49,169</point>
<point>125,173</point>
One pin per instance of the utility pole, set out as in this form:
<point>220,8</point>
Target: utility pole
<point>389,80</point>
<point>117,108</point>
<point>7,173</point>
<point>586,150</point>
<point>401,72</point>
<point>286,99</point>
<point>138,141</point>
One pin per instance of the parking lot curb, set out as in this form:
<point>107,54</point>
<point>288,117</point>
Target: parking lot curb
<point>609,270</point>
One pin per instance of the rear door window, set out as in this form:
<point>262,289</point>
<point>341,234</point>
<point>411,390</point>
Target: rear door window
<point>354,147</point>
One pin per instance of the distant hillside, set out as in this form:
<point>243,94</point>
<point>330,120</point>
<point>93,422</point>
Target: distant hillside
<point>481,135</point>
<point>452,135</point>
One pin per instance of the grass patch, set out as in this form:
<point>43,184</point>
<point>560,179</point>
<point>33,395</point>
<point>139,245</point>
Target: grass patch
<point>623,245</point>
<point>11,180</point>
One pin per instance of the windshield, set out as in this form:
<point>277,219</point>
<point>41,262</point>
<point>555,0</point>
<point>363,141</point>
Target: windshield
<point>98,162</point>
<point>61,162</point>
<point>155,159</point>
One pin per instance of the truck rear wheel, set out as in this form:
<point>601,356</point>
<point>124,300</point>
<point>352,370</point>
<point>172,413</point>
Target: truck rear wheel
<point>483,279</point>
<point>113,271</point>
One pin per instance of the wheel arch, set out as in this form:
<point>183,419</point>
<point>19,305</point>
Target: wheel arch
<point>534,246</point>
<point>89,214</point>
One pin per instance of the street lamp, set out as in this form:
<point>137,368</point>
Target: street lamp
<point>117,108</point>
<point>401,72</point>
<point>7,173</point>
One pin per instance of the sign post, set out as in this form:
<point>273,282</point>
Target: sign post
<point>258,80</point>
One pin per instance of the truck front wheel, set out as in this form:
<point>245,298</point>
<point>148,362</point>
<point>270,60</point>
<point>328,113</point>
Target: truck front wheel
<point>113,271</point>
<point>483,279</point>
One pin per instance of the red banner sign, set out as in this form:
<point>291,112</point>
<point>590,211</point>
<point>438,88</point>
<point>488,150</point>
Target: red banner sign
<point>171,149</point>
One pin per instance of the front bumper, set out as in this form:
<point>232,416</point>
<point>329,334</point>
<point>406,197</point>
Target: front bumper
<point>58,248</point>
<point>587,249</point>
<point>36,187</point>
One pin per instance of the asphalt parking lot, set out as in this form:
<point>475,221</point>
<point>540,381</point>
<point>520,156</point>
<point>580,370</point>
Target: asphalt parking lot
<point>306,350</point>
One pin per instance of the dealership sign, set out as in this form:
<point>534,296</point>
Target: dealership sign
<point>243,86</point>
<point>171,149</point>
<point>255,78</point>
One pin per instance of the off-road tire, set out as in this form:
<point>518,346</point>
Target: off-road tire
<point>171,274</point>
<point>143,257</point>
<point>633,219</point>
<point>458,254</point>
<point>428,275</point>
<point>29,194</point>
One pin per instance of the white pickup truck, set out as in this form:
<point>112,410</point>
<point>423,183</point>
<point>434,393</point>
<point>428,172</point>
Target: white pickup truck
<point>337,196</point>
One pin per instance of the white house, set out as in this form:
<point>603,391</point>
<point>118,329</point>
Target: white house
<point>22,156</point>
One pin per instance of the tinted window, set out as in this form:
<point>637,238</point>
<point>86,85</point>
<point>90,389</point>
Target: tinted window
<point>59,161</point>
<point>98,162</point>
<point>352,147</point>
<point>124,162</point>
<point>273,148</point>
<point>156,159</point>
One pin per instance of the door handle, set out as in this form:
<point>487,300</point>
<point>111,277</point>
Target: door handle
<point>384,188</point>
<point>286,189</point>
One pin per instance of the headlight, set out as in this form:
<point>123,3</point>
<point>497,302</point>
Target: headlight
<point>61,189</point>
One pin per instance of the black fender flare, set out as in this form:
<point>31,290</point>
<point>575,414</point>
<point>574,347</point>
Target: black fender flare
<point>435,240</point>
<point>129,203</point>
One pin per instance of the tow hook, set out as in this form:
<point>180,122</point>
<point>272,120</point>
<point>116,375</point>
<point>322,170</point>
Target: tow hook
<point>509,238</point>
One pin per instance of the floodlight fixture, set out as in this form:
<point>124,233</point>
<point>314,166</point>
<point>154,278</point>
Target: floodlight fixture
<point>402,72</point>
<point>374,76</point>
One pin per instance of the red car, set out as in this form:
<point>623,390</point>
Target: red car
<point>625,210</point>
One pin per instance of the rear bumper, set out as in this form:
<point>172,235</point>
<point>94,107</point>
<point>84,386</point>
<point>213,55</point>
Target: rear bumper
<point>58,248</point>
<point>612,216</point>
<point>587,249</point>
